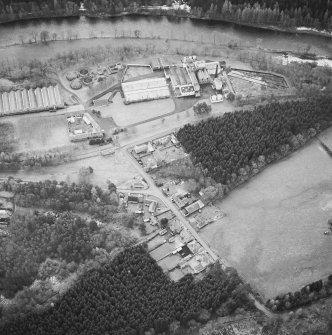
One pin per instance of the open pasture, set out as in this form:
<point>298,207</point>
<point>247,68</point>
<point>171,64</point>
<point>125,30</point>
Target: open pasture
<point>125,115</point>
<point>273,232</point>
<point>40,132</point>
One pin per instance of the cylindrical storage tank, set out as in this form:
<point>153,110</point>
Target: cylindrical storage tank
<point>32,99</point>
<point>72,75</point>
<point>87,81</point>
<point>76,84</point>
<point>83,72</point>
<point>25,99</point>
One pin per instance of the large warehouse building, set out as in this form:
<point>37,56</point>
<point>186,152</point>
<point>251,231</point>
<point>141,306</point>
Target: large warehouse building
<point>24,101</point>
<point>145,89</point>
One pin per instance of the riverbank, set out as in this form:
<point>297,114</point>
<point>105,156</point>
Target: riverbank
<point>174,14</point>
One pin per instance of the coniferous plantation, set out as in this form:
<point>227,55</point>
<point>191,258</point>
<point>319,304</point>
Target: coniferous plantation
<point>233,147</point>
<point>132,294</point>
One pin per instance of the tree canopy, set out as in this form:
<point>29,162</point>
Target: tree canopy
<point>286,13</point>
<point>132,294</point>
<point>238,143</point>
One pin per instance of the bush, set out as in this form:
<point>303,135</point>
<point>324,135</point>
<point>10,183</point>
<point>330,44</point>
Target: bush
<point>95,141</point>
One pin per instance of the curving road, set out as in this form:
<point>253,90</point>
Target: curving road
<point>154,190</point>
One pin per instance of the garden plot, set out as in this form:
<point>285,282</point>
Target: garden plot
<point>156,241</point>
<point>162,251</point>
<point>172,153</point>
<point>149,228</point>
<point>170,262</point>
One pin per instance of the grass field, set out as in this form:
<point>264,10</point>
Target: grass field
<point>40,132</point>
<point>135,71</point>
<point>125,115</point>
<point>273,232</point>
<point>116,168</point>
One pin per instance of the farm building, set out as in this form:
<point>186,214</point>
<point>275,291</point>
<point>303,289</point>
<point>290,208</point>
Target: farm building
<point>145,89</point>
<point>140,149</point>
<point>189,59</point>
<point>135,198</point>
<point>5,102</point>
<point>82,127</point>
<point>156,64</point>
<point>183,81</point>
<point>153,207</point>
<point>39,97</point>
<point>180,202</point>
<point>199,64</point>
<point>211,67</point>
<point>193,208</point>
<point>25,98</point>
<point>218,84</point>
<point>18,98</point>
<point>203,77</point>
<point>32,100</point>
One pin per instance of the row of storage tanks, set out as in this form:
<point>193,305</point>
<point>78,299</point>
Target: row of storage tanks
<point>32,100</point>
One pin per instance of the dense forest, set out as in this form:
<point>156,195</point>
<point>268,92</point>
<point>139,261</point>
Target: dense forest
<point>310,13</point>
<point>237,145</point>
<point>82,197</point>
<point>37,245</point>
<point>33,238</point>
<point>132,294</point>
<point>285,13</point>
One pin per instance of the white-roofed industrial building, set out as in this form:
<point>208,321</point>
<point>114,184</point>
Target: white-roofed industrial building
<point>183,81</point>
<point>145,89</point>
<point>32,100</point>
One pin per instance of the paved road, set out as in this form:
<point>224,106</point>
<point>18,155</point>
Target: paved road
<point>154,190</point>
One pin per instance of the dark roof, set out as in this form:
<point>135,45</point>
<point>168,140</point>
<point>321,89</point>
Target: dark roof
<point>185,251</point>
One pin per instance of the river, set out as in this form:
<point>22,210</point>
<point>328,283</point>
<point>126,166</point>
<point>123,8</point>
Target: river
<point>165,28</point>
